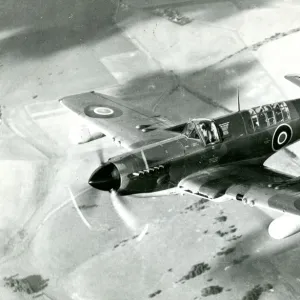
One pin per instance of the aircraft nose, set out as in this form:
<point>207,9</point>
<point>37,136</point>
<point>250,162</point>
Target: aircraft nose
<point>105,178</point>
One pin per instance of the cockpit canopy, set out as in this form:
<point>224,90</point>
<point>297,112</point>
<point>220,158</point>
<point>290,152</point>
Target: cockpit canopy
<point>268,115</point>
<point>202,129</point>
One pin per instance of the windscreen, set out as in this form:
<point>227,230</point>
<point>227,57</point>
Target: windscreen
<point>188,129</point>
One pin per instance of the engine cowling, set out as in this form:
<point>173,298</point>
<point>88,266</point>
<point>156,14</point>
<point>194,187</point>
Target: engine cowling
<point>121,177</point>
<point>148,169</point>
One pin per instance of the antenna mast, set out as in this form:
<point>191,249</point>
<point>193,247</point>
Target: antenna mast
<point>238,99</point>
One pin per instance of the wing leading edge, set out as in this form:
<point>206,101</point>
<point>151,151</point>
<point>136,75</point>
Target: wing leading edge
<point>118,120</point>
<point>252,185</point>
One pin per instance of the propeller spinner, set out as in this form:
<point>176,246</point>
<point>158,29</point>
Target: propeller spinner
<point>106,178</point>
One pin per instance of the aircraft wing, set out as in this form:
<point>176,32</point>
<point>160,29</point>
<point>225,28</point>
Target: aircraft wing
<point>250,184</point>
<point>118,120</point>
<point>294,78</point>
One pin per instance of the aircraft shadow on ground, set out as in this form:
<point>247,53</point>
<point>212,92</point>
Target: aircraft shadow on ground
<point>208,92</point>
<point>53,27</point>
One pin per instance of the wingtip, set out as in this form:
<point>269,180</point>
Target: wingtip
<point>61,101</point>
<point>293,78</point>
<point>288,76</point>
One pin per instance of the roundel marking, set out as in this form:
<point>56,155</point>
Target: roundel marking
<point>281,136</point>
<point>102,112</point>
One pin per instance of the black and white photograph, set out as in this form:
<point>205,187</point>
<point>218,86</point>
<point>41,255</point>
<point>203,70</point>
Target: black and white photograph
<point>150,149</point>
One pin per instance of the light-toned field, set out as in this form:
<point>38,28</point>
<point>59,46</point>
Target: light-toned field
<point>55,49</point>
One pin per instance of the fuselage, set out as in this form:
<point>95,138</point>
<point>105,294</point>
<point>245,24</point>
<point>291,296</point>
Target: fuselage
<point>243,135</point>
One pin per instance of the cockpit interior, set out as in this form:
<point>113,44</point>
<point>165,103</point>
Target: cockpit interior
<point>202,129</point>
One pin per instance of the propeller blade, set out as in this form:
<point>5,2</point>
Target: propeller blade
<point>100,157</point>
<point>143,233</point>
<point>84,220</point>
<point>130,220</point>
<point>124,213</point>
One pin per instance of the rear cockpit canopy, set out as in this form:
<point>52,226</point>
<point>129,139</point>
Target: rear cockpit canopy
<point>268,115</point>
<point>202,129</point>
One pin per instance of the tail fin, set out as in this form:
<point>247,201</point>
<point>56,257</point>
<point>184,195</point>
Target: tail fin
<point>294,78</point>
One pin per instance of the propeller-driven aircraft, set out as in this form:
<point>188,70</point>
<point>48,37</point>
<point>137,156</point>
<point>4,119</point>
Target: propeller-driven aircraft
<point>218,159</point>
